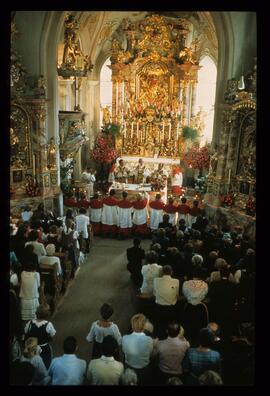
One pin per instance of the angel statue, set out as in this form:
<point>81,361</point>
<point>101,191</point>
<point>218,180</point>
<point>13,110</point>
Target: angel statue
<point>106,115</point>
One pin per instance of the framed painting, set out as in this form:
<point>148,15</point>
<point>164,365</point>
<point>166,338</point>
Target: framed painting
<point>17,176</point>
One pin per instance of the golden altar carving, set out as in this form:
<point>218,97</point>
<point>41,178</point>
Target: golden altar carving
<point>154,81</point>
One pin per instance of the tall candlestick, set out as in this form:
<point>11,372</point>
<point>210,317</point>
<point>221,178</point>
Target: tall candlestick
<point>229,176</point>
<point>137,129</point>
<point>170,126</point>
<point>34,166</point>
<point>131,129</point>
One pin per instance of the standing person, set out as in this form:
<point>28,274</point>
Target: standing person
<point>96,206</point>
<point>70,244</point>
<point>171,210</point>
<point>30,354</point>
<point>183,210</point>
<point>26,213</point>
<point>106,370</point>
<point>121,172</point>
<point>44,331</point>
<point>135,255</point>
<point>150,271</point>
<point>137,348</point>
<point>111,177</point>
<point>68,369</point>
<point>88,176</point>
<point>109,217</point>
<point>166,292</point>
<point>141,172</point>
<point>82,227</point>
<point>29,291</point>
<point>102,328</point>
<point>176,181</point>
<point>200,359</point>
<point>124,216</point>
<point>170,353</point>
<point>156,212</point>
<point>140,215</point>
<point>194,212</point>
<point>39,248</point>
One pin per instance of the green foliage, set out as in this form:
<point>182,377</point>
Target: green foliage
<point>189,133</point>
<point>113,129</point>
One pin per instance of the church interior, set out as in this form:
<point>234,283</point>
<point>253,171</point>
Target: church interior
<point>132,198</point>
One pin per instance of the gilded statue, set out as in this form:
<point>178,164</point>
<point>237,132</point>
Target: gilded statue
<point>106,115</point>
<point>70,39</point>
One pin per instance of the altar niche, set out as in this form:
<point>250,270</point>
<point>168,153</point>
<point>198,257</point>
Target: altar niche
<point>154,87</point>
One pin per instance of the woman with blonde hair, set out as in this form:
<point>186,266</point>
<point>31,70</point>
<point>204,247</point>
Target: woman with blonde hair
<point>137,348</point>
<point>31,355</point>
<point>215,275</point>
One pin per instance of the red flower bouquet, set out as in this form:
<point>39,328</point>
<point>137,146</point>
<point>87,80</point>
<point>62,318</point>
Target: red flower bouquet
<point>197,158</point>
<point>31,189</point>
<point>251,206</point>
<point>104,152</point>
<point>228,200</point>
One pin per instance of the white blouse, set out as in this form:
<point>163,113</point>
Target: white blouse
<point>97,333</point>
<point>149,273</point>
<point>30,282</point>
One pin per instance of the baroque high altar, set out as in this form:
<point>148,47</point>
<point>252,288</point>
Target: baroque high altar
<point>154,87</point>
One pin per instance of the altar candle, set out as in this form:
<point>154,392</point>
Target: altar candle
<point>163,127</point>
<point>170,126</point>
<point>229,176</point>
<point>132,129</point>
<point>137,129</point>
<point>34,166</point>
<point>177,130</point>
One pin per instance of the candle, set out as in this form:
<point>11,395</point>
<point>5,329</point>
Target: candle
<point>34,166</point>
<point>163,128</point>
<point>229,176</point>
<point>170,127</point>
<point>131,129</point>
<point>137,129</point>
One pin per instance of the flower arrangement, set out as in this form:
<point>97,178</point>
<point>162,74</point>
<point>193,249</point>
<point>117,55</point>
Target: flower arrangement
<point>103,152</point>
<point>251,206</point>
<point>228,199</point>
<point>197,158</point>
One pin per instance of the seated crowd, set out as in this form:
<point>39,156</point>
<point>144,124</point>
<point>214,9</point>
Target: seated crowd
<point>195,317</point>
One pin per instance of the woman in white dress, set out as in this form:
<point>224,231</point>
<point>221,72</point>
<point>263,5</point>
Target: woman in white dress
<point>102,328</point>
<point>29,291</point>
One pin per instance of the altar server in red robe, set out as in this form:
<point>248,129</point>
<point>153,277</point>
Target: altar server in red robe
<point>177,181</point>
<point>194,212</point>
<point>140,215</point>
<point>83,202</point>
<point>109,217</point>
<point>96,206</point>
<point>183,210</point>
<point>156,212</point>
<point>125,207</point>
<point>171,210</point>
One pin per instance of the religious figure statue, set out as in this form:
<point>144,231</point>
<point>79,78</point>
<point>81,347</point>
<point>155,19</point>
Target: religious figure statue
<point>106,115</point>
<point>70,39</point>
<point>213,163</point>
<point>51,159</point>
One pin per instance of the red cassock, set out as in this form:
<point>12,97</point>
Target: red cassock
<point>109,217</point>
<point>124,217</point>
<point>140,217</point>
<point>156,213</point>
<point>171,210</point>
<point>96,206</point>
<point>183,209</point>
<point>195,211</point>
<point>83,203</point>
<point>70,202</point>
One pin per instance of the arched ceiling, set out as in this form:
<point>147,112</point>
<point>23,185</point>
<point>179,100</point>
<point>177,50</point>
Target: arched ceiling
<point>98,27</point>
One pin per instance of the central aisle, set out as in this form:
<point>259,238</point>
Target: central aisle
<point>102,278</point>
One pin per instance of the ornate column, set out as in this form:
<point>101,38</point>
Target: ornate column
<point>194,97</point>
<point>114,98</point>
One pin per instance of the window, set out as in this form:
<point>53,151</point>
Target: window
<point>105,87</point>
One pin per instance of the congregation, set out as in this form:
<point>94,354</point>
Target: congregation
<point>195,314</point>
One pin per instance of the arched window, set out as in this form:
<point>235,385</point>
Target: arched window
<point>105,87</point>
<point>206,91</point>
